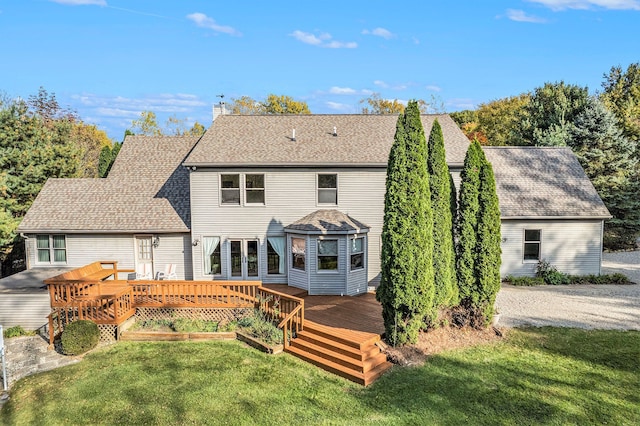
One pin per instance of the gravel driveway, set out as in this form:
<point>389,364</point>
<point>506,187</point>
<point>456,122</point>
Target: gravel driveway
<point>581,306</point>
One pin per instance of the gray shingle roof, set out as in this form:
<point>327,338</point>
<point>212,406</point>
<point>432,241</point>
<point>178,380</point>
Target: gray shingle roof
<point>543,182</point>
<point>264,140</point>
<point>327,221</point>
<point>147,191</point>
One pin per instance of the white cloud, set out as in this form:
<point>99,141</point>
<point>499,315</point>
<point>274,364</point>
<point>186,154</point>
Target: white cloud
<point>339,106</point>
<point>461,103</point>
<point>521,16</point>
<point>433,88</point>
<point>342,91</point>
<point>335,90</point>
<point>203,21</point>
<point>322,40</point>
<point>385,85</point>
<point>81,2</point>
<point>557,5</point>
<point>119,106</point>
<point>380,32</point>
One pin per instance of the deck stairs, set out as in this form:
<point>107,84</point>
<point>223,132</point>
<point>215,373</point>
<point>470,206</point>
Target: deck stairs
<point>351,354</point>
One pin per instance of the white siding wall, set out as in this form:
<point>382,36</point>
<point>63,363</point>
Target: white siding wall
<point>290,195</point>
<point>87,248</point>
<point>574,247</point>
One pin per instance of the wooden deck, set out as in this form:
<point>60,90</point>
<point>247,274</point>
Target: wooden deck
<point>361,313</point>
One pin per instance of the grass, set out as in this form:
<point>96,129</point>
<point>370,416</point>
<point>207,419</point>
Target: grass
<point>534,376</point>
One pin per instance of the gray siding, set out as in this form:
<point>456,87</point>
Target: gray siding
<point>86,248</point>
<point>573,246</point>
<point>29,310</point>
<point>290,194</point>
<point>326,282</point>
<point>297,278</point>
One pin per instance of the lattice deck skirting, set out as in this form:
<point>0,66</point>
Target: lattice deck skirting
<point>221,315</point>
<point>108,333</point>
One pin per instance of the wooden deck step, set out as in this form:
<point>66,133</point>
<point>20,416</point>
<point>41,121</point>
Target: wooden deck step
<point>351,354</point>
<point>355,339</point>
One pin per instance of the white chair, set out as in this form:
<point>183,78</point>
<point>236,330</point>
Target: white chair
<point>143,271</point>
<point>169,272</point>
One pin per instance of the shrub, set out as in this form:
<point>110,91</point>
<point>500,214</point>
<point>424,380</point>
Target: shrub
<point>17,331</point>
<point>259,326</point>
<point>79,337</point>
<point>550,273</point>
<point>524,281</point>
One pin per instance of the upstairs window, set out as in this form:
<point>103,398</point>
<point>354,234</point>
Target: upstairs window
<point>328,189</point>
<point>532,240</point>
<point>254,189</point>
<point>51,248</point>
<point>230,189</point>
<point>327,255</point>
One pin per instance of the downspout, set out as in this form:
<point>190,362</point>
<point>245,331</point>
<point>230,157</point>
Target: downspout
<point>601,246</point>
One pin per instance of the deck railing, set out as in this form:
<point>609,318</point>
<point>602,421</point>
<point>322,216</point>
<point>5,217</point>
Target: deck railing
<point>288,310</point>
<point>62,293</point>
<point>189,294</point>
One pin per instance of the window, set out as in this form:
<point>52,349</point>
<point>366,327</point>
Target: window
<point>327,189</point>
<point>51,247</point>
<point>532,239</point>
<point>327,255</point>
<point>212,259</point>
<point>357,253</point>
<point>230,189</point>
<point>254,188</point>
<point>298,253</point>
<point>275,255</point>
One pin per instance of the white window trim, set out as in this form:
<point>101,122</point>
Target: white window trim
<point>204,255</point>
<point>306,253</point>
<point>266,253</point>
<point>51,251</point>
<point>243,183</point>
<point>364,253</point>
<point>318,203</point>
<point>328,271</point>
<point>525,242</point>
<point>243,190</point>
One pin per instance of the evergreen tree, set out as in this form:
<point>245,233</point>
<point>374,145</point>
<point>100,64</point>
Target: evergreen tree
<point>488,251</point>
<point>607,157</point>
<point>446,288</point>
<point>406,289</point>
<point>467,226</point>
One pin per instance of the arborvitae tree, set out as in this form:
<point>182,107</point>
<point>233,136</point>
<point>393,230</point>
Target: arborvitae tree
<point>446,288</point>
<point>467,227</point>
<point>406,288</point>
<point>488,251</point>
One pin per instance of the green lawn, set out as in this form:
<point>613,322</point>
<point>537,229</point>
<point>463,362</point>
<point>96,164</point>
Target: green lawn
<point>535,376</point>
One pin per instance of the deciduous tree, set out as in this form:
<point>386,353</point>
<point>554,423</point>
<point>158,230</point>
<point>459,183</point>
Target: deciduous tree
<point>622,96</point>
<point>406,289</point>
<point>499,120</point>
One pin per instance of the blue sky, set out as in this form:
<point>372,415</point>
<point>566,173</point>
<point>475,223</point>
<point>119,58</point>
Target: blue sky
<point>112,59</point>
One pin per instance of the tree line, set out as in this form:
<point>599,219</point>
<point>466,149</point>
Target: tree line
<point>440,259</point>
<point>603,130</point>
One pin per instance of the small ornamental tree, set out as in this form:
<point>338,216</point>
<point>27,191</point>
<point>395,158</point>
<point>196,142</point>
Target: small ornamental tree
<point>446,288</point>
<point>467,226</point>
<point>406,288</point>
<point>488,251</point>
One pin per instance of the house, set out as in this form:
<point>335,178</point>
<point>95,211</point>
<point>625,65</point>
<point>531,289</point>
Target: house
<point>297,200</point>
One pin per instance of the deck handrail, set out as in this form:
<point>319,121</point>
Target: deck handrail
<point>185,293</point>
<point>286,308</point>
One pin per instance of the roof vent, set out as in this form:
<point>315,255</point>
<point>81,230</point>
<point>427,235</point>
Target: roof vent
<point>335,131</point>
<point>293,135</point>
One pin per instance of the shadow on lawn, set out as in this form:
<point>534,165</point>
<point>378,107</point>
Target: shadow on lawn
<point>540,376</point>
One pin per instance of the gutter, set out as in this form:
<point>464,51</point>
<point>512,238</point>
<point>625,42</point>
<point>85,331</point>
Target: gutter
<point>554,217</point>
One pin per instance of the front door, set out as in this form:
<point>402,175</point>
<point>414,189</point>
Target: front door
<point>244,259</point>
